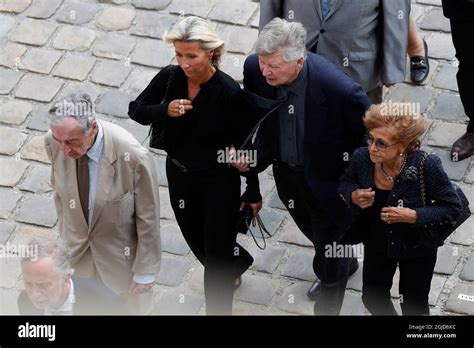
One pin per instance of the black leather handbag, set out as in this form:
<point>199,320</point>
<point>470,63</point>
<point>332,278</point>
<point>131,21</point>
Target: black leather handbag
<point>157,133</point>
<point>246,220</point>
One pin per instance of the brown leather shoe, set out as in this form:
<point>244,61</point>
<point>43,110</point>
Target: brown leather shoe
<point>463,147</point>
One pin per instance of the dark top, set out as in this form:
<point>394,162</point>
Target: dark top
<point>219,119</point>
<point>458,9</point>
<point>443,205</point>
<point>377,231</point>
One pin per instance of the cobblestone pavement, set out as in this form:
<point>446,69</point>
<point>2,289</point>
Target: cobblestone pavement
<point>111,49</point>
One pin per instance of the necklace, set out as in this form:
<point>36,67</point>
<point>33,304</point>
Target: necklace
<point>391,178</point>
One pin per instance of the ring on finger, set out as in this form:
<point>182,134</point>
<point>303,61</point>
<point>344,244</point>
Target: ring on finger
<point>181,101</point>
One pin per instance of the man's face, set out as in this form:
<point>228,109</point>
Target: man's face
<point>45,288</point>
<point>72,139</point>
<point>277,71</point>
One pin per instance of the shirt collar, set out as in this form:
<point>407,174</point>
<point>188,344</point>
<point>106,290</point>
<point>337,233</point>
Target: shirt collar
<point>68,304</point>
<point>96,150</point>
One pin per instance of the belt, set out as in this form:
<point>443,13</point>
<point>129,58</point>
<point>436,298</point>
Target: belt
<point>192,167</point>
<point>293,167</point>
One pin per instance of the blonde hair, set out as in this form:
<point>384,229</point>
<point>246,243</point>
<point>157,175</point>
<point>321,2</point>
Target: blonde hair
<point>201,31</point>
<point>409,126</point>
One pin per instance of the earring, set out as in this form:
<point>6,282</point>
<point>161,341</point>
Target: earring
<point>401,154</point>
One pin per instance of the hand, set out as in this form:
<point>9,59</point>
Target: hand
<point>364,198</point>
<point>256,207</point>
<point>392,215</point>
<point>242,163</point>
<point>136,288</point>
<point>179,107</point>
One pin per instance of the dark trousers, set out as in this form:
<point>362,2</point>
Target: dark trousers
<point>461,30</point>
<point>206,206</point>
<point>312,220</point>
<point>414,286</point>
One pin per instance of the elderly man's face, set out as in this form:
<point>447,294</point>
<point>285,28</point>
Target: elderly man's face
<point>45,288</point>
<point>72,139</point>
<point>277,71</point>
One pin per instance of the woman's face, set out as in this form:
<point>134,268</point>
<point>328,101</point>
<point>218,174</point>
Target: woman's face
<point>383,145</point>
<point>192,58</point>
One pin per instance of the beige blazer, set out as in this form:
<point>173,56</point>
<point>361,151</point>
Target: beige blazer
<point>124,236</point>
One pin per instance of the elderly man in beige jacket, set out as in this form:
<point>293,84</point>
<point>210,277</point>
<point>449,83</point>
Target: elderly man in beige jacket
<point>107,199</point>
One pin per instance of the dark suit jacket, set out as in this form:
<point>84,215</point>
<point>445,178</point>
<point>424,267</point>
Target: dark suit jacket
<point>92,298</point>
<point>333,127</point>
<point>458,9</point>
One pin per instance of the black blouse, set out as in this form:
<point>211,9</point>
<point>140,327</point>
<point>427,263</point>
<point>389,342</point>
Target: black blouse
<point>219,118</point>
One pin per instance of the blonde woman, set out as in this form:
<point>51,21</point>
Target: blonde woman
<point>202,114</point>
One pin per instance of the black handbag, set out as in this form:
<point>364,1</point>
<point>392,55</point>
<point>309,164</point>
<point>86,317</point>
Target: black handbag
<point>246,220</point>
<point>435,237</point>
<point>157,133</point>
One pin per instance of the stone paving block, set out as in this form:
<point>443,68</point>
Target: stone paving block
<point>255,23</point>
<point>39,60</point>
<point>172,271</point>
<point>469,192</point>
<point>140,133</point>
<point>455,170</point>
<point>157,5</point>
<point>16,6</point>
<point>152,53</point>
<point>114,103</point>
<point>294,299</point>
<point>8,301</point>
<point>34,32</point>
<point>43,8</point>
<point>417,11</point>
<point>12,140</point>
<point>444,134</point>
<point>255,289</point>
<point>35,150</point>
<point>37,180</point>
<point>446,78</point>
<point>461,299</point>
<point>10,271</point>
<point>411,94</point>
<point>352,305</point>
<point>160,165</point>
<point>196,280</point>
<point>437,284</point>
<point>39,119</point>
<point>115,18</point>
<point>275,202</point>
<point>26,233</point>
<point>75,67</point>
<point>172,240</point>
<point>272,221</point>
<point>80,87</point>
<point>240,308</point>
<point>440,46</point>
<point>179,303</point>
<point>10,54</point>
<point>166,210</point>
<point>435,20</point>
<point>8,202</point>
<point>470,176</point>
<point>37,211</point>
<point>73,38</point>
<point>77,12</point>
<point>152,24</point>
<point>233,65</point>
<point>113,45</point>
<point>449,108</point>
<point>468,269</point>
<point>14,111</point>
<point>430,2</point>
<point>9,79</point>
<point>239,40</point>
<point>116,2</point>
<point>200,8</point>
<point>299,265</point>
<point>464,234</point>
<point>265,260</point>
<point>6,24</point>
<point>6,230</point>
<point>138,80</point>
<point>110,73</point>
<point>447,259</point>
<point>11,171</point>
<point>292,235</point>
<point>233,11</point>
<point>40,88</point>
<point>355,281</point>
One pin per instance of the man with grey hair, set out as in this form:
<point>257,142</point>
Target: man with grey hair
<point>309,141</point>
<point>107,201</point>
<point>50,288</point>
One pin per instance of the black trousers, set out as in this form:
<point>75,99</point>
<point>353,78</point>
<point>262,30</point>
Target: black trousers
<point>206,206</point>
<point>461,30</point>
<point>313,221</point>
<point>414,286</point>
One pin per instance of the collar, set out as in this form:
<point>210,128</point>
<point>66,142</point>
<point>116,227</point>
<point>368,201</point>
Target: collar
<point>298,85</point>
<point>96,150</point>
<point>68,303</point>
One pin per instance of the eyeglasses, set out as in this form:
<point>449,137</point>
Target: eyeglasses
<point>379,144</point>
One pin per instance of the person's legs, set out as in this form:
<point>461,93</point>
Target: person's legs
<point>377,278</point>
<point>415,283</point>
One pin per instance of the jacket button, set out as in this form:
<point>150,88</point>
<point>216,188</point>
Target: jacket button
<point>322,31</point>
<point>392,243</point>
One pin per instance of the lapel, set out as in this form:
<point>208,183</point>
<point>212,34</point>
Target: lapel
<point>314,94</point>
<point>106,175</point>
<point>334,7</point>
<point>317,7</point>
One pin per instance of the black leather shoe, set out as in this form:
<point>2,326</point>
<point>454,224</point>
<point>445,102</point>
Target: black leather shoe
<point>420,67</point>
<point>314,290</point>
<point>463,147</point>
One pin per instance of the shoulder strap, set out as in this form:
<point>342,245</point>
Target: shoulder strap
<point>422,178</point>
